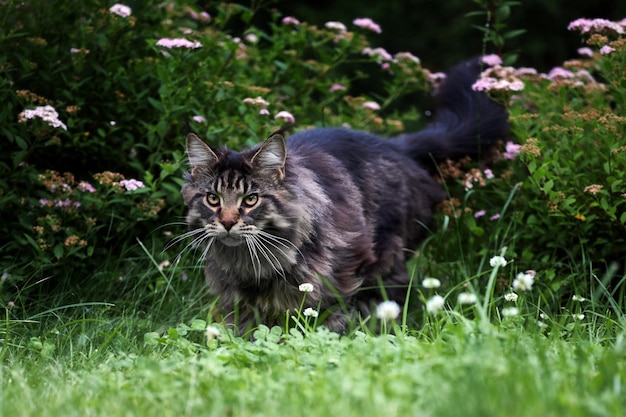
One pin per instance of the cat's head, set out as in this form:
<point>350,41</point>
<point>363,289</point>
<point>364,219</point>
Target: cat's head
<point>235,197</point>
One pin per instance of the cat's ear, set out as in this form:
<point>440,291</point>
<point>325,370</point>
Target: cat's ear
<point>200,154</point>
<point>271,156</point>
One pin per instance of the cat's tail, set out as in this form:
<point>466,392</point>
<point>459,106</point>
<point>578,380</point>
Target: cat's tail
<point>466,122</point>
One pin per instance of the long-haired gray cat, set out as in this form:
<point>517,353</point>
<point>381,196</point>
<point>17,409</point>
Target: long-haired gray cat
<point>336,208</point>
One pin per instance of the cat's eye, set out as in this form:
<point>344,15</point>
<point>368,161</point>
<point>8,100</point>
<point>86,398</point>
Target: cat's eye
<point>251,200</point>
<point>213,199</point>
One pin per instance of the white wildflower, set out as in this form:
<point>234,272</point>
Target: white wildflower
<point>523,282</point>
<point>388,310</point>
<point>498,261</point>
<point>310,312</point>
<point>579,316</point>
<point>578,298</point>
<point>434,304</point>
<point>511,297</point>
<point>467,298</point>
<point>211,332</point>
<point>431,283</point>
<point>509,311</point>
<point>306,287</point>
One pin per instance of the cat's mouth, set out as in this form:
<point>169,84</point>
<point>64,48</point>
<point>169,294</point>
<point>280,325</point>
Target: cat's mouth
<point>230,240</point>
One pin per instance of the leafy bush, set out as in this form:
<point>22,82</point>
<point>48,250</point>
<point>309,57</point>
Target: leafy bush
<point>97,99</point>
<point>98,96</point>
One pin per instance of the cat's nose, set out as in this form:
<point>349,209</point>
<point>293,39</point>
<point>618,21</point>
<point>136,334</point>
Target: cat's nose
<point>228,224</point>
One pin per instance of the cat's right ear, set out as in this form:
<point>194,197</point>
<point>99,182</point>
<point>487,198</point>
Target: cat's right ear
<point>199,153</point>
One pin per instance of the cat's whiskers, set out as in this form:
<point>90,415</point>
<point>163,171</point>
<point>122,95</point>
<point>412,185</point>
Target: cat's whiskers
<point>286,243</point>
<point>252,250</point>
<point>182,237</point>
<point>255,246</point>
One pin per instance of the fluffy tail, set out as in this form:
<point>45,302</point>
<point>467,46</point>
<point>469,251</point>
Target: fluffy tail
<point>466,122</point>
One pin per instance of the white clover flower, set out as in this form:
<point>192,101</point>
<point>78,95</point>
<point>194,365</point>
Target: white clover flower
<point>120,10</point>
<point>578,298</point>
<point>431,283</point>
<point>523,282</point>
<point>211,332</point>
<point>579,316</point>
<point>509,311</point>
<point>306,287</point>
<point>467,298</point>
<point>388,310</point>
<point>511,297</point>
<point>310,312</point>
<point>434,304</point>
<point>498,261</point>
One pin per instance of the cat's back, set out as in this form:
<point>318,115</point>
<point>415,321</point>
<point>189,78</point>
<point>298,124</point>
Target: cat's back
<point>352,148</point>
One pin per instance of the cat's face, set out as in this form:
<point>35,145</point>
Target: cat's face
<point>236,199</point>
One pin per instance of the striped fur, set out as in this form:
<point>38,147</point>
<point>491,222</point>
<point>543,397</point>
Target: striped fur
<point>337,208</point>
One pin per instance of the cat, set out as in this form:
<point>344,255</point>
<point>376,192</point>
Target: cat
<point>336,208</point>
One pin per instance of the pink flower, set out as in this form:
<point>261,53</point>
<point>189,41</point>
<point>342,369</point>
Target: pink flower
<point>371,105</point>
<point>120,10</point>
<point>489,174</point>
<point>407,56</point>
<point>512,150</point>
<point>286,116</point>
<point>492,60</point>
<point>47,113</point>
<point>595,26</point>
<point>337,87</point>
<point>198,119</point>
<point>264,112</point>
<point>495,217</point>
<point>178,43</point>
<point>259,101</point>
<point>379,53</point>
<point>338,26</point>
<point>85,186</point>
<point>479,213</point>
<point>289,20</point>
<point>367,23</point>
<point>585,52</point>
<point>606,49</point>
<point>560,73</point>
<point>132,184</point>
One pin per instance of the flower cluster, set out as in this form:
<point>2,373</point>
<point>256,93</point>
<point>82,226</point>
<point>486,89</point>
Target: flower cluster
<point>46,113</point>
<point>602,26</point>
<point>367,23</point>
<point>178,43</point>
<point>499,79</point>
<point>120,10</point>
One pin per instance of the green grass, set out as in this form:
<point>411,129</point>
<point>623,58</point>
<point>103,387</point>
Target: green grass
<point>98,359</point>
<point>462,372</point>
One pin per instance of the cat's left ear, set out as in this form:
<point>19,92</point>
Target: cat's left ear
<point>271,156</point>
<point>200,154</point>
